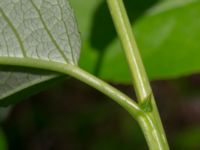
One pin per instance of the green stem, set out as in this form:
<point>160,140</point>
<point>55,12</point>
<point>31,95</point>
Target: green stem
<point>76,72</point>
<point>144,119</point>
<point>151,123</point>
<point>136,67</point>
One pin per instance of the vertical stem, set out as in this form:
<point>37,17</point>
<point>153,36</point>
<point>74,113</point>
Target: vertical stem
<point>150,123</point>
<point>123,27</point>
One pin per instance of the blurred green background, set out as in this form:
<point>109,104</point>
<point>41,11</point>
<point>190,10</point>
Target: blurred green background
<point>73,116</point>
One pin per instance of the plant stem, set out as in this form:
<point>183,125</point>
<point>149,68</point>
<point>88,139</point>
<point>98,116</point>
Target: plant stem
<point>136,67</point>
<point>76,72</point>
<point>144,120</point>
<point>140,80</point>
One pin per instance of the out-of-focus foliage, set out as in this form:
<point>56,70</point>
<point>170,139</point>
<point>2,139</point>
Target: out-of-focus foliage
<point>3,141</point>
<point>167,33</point>
<point>188,139</point>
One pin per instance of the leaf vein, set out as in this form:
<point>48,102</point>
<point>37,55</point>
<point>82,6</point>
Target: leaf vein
<point>48,32</point>
<point>67,32</point>
<point>17,35</point>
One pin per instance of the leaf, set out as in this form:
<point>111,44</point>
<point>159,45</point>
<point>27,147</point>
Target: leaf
<point>174,52</point>
<point>35,30</point>
<point>167,33</point>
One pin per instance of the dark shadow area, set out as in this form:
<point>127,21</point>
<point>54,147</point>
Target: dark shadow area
<point>103,29</point>
<point>73,116</point>
<point>34,88</point>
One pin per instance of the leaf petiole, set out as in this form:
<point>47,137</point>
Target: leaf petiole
<point>76,72</point>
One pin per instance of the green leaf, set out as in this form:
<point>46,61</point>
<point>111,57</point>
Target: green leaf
<point>167,32</point>
<point>35,30</point>
<point>169,42</point>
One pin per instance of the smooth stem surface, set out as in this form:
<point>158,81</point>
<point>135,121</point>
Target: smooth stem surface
<point>76,72</point>
<point>144,120</point>
<point>140,80</point>
<point>124,31</point>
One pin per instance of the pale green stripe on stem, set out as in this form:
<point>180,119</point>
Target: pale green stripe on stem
<point>151,123</point>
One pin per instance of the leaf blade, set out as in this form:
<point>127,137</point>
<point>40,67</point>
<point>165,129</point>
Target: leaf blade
<point>31,29</point>
<point>176,58</point>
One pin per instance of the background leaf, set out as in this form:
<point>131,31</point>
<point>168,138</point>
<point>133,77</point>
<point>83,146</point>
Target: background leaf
<point>3,140</point>
<point>167,33</point>
<point>32,29</point>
